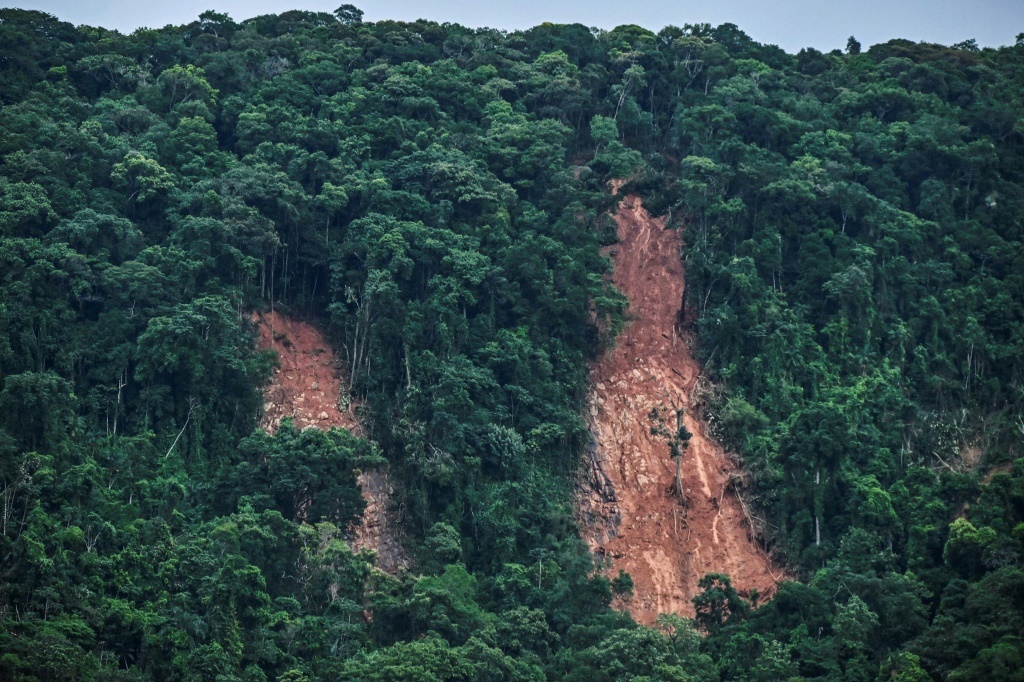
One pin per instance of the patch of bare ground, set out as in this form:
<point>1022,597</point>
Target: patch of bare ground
<point>632,513</point>
<point>307,386</point>
<point>973,458</point>
<point>995,470</point>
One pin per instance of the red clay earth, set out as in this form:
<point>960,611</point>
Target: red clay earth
<point>632,516</point>
<point>307,386</point>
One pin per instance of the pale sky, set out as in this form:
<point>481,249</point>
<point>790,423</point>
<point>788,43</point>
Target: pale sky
<point>791,24</point>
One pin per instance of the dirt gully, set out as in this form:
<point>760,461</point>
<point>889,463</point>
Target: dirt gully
<point>641,392</point>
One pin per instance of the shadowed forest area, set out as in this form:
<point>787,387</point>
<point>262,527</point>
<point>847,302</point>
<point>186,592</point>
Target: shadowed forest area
<point>436,199</point>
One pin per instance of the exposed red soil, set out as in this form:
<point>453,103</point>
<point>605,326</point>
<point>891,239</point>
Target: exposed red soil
<point>632,515</point>
<point>308,387</point>
<point>307,384</point>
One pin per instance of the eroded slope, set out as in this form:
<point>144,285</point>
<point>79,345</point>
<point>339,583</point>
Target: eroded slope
<point>307,386</point>
<point>633,515</point>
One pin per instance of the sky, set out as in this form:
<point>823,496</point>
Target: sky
<point>790,24</point>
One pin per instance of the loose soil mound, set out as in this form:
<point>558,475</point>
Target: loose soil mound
<point>631,512</point>
<point>307,386</point>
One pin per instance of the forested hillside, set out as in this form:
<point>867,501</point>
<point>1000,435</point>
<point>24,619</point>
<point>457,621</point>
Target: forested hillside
<point>436,198</point>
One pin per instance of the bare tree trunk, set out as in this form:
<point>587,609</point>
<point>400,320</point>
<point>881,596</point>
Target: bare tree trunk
<point>191,406</point>
<point>122,381</point>
<point>679,481</point>
<point>817,523</point>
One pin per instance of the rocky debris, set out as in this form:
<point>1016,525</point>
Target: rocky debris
<point>631,515</point>
<point>306,364</point>
<point>376,532</point>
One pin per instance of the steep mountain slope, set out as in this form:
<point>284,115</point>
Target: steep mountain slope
<point>635,518</point>
<point>307,387</point>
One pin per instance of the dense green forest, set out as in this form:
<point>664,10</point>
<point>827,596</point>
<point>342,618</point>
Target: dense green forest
<point>436,197</point>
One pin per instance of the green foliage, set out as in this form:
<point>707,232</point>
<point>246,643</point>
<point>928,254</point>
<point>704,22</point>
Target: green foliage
<point>719,604</point>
